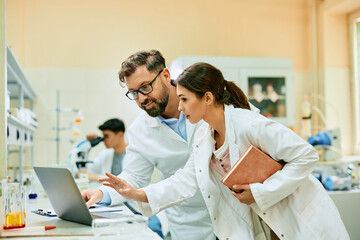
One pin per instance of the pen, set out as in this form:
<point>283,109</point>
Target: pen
<point>30,229</point>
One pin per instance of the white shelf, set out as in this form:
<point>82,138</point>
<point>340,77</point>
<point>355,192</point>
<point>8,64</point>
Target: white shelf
<point>20,90</point>
<point>16,78</point>
<point>20,124</point>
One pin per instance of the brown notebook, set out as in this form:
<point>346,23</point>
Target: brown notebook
<point>253,166</point>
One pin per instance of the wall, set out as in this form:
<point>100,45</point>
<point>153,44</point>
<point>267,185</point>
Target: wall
<point>94,91</point>
<point>68,45</point>
<point>78,46</point>
<point>90,34</point>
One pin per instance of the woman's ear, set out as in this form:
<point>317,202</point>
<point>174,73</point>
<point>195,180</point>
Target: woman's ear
<point>209,98</point>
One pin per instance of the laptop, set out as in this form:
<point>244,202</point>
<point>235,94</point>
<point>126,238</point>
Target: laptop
<point>64,195</point>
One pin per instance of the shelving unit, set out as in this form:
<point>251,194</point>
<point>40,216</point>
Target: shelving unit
<point>19,133</point>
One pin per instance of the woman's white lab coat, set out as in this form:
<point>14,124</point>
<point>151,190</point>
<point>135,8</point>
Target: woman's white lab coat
<point>292,202</point>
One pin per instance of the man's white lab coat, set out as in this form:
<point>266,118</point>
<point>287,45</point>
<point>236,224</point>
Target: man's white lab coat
<point>291,202</point>
<point>153,144</point>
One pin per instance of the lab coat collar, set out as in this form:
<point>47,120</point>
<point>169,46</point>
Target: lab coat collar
<point>230,135</point>
<point>153,121</point>
<point>165,130</point>
<point>190,129</point>
<point>230,132</point>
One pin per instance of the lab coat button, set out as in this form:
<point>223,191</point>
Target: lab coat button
<point>264,213</point>
<point>214,218</point>
<point>199,170</point>
<point>209,196</point>
<point>282,235</point>
<point>197,146</point>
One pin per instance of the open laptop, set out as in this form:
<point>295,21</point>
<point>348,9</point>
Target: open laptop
<point>64,195</point>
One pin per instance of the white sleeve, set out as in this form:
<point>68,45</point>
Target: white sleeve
<point>171,191</point>
<point>137,170</point>
<point>281,143</point>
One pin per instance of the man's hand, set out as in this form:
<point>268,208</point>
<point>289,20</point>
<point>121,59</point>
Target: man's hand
<point>243,193</point>
<point>91,136</point>
<point>92,196</point>
<point>123,188</point>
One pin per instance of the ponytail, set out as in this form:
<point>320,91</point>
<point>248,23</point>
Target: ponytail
<point>233,95</point>
<point>200,78</point>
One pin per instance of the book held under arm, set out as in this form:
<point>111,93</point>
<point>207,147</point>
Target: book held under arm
<point>253,166</point>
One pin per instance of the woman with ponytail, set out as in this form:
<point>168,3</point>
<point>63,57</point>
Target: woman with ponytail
<point>291,204</point>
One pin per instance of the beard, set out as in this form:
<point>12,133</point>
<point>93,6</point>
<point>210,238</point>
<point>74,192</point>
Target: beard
<point>159,105</point>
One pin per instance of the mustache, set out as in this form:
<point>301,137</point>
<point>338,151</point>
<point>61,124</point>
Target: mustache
<point>148,101</point>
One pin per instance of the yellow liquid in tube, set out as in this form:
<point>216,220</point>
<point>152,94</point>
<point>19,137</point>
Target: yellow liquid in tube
<point>14,220</point>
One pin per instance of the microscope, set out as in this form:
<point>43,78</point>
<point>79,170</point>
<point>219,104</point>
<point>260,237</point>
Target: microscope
<point>78,157</point>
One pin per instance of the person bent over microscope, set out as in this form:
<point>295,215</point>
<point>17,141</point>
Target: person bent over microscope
<point>108,160</point>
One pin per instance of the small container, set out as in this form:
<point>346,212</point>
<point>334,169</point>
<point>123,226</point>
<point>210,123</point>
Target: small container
<point>14,197</point>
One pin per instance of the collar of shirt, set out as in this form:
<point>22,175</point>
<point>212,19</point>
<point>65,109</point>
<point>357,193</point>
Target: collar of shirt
<point>178,125</point>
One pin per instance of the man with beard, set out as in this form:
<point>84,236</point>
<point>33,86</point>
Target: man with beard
<point>160,137</point>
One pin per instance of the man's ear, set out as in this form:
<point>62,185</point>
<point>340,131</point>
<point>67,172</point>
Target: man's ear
<point>166,74</point>
<point>209,98</point>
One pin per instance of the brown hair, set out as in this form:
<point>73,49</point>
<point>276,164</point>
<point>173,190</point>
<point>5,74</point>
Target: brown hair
<point>202,77</point>
<point>153,60</point>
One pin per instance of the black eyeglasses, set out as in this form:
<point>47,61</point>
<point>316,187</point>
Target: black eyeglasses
<point>144,90</point>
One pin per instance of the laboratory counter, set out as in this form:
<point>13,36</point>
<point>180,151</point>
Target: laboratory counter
<point>347,202</point>
<point>64,229</point>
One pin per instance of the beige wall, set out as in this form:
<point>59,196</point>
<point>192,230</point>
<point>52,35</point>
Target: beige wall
<point>77,46</point>
<point>94,34</point>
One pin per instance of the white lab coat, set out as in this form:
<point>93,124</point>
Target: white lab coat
<point>291,202</point>
<point>153,144</point>
<point>102,163</point>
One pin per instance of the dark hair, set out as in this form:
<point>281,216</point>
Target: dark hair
<point>115,125</point>
<point>153,60</point>
<point>202,77</point>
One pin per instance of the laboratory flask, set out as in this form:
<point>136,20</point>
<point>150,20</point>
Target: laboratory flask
<point>14,205</point>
